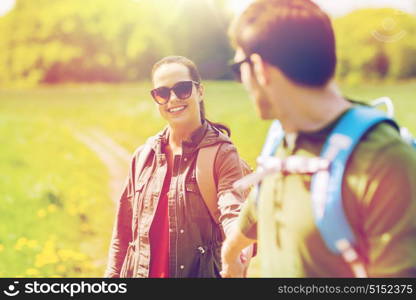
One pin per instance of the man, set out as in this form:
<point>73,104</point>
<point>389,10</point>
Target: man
<point>285,57</point>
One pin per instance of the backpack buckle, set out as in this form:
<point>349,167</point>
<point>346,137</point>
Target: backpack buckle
<point>350,255</point>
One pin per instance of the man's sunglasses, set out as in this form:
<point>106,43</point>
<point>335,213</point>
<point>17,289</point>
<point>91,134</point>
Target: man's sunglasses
<point>236,68</point>
<point>182,90</point>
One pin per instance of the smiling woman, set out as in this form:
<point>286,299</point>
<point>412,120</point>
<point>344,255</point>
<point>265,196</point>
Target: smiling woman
<point>6,6</point>
<point>181,228</point>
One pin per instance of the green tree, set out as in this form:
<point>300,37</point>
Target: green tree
<point>55,41</point>
<point>376,44</point>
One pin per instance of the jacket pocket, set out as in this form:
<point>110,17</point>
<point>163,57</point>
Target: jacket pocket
<point>129,268</point>
<point>195,203</point>
<point>139,186</point>
<point>137,203</point>
<point>208,262</point>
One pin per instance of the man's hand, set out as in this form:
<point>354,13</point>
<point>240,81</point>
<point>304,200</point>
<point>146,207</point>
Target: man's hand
<point>246,256</point>
<point>233,269</point>
<point>234,259</point>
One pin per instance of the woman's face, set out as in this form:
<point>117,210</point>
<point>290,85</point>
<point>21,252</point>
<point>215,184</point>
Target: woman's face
<point>177,111</point>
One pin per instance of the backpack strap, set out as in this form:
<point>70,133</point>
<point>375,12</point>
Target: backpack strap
<point>274,138</point>
<point>206,183</point>
<point>205,179</point>
<point>408,137</point>
<point>326,186</point>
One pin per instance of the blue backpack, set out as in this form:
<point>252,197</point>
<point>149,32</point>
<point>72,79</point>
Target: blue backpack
<point>327,198</point>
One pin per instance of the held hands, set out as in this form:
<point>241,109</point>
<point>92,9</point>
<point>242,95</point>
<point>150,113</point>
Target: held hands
<point>236,253</point>
<point>234,269</point>
<point>237,267</point>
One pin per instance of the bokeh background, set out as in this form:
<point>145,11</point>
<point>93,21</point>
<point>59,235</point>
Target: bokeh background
<point>75,103</point>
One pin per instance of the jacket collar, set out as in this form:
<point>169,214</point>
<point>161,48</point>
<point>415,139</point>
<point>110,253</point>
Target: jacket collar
<point>204,136</point>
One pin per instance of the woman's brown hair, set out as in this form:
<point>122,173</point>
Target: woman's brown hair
<point>195,76</point>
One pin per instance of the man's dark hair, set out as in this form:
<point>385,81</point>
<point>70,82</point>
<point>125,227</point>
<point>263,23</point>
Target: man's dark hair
<point>294,35</point>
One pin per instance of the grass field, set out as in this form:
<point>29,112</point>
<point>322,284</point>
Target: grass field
<point>56,211</point>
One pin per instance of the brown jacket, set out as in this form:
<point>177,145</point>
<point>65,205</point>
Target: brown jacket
<point>194,238</point>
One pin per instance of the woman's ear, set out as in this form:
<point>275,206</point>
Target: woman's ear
<point>201,92</point>
<point>261,69</point>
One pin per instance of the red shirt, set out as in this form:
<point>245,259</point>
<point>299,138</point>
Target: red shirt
<point>159,234</point>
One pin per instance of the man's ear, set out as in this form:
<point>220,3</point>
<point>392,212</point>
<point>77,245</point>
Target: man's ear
<point>260,69</point>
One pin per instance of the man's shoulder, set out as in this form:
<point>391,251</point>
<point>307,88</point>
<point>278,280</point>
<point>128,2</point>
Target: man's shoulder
<point>390,151</point>
<point>382,142</point>
<point>382,135</point>
<point>381,156</point>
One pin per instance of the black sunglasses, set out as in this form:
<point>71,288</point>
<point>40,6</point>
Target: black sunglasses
<point>236,68</point>
<point>182,90</point>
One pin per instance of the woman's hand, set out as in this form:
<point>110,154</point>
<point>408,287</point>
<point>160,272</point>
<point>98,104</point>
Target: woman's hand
<point>236,268</point>
<point>235,255</point>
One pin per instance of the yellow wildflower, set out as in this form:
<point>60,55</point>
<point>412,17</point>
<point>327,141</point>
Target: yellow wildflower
<point>61,268</point>
<point>85,227</point>
<point>47,255</point>
<point>32,272</point>
<point>21,242</point>
<point>32,244</point>
<point>72,210</point>
<point>52,208</point>
<point>41,213</point>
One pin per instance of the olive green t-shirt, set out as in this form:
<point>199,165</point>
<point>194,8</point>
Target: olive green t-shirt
<point>379,199</point>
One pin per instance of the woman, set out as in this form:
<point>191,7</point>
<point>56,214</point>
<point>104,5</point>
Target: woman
<point>163,227</point>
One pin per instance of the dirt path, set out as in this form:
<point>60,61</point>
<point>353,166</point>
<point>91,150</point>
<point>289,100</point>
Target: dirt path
<point>115,157</point>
